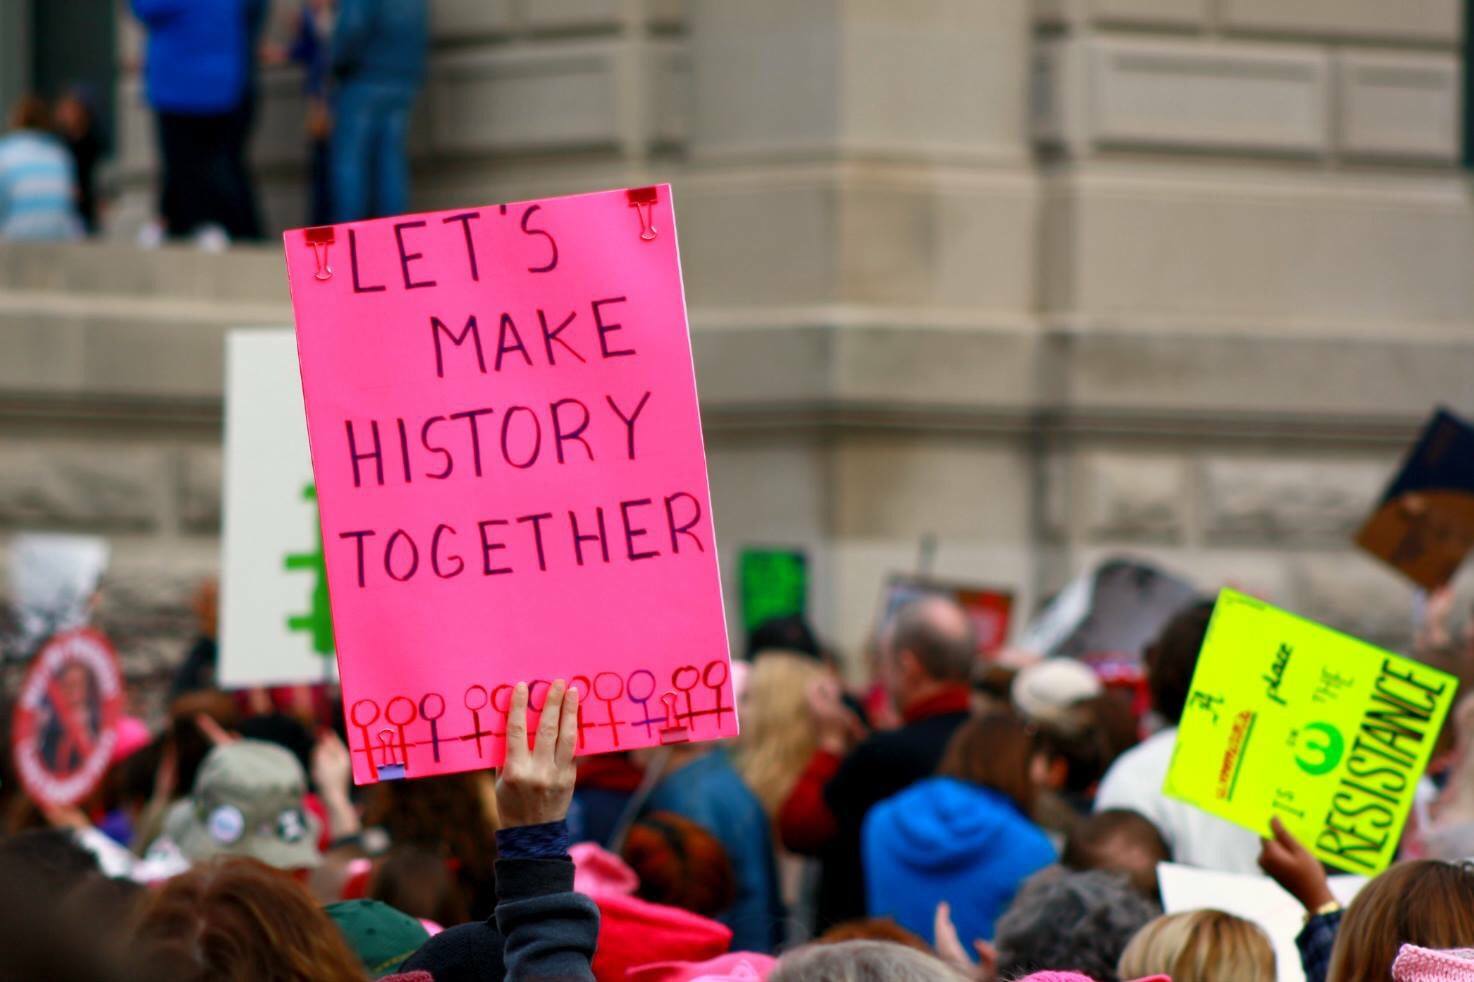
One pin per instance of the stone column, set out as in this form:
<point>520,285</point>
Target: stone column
<point>858,229</point>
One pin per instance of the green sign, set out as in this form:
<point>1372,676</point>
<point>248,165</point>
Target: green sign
<point>775,583</point>
<point>1289,718</point>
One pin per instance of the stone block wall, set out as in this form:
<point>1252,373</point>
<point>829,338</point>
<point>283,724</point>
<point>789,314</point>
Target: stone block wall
<point>1038,282</point>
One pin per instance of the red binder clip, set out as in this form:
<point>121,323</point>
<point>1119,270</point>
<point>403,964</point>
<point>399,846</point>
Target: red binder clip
<point>673,731</point>
<point>642,200</point>
<point>319,239</point>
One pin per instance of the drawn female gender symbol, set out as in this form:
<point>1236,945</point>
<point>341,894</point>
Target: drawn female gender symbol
<point>363,725</point>
<point>584,686</point>
<point>675,680</point>
<point>643,701</point>
<point>716,685</point>
<point>433,720</point>
<point>475,706</point>
<point>608,686</point>
<point>400,724</point>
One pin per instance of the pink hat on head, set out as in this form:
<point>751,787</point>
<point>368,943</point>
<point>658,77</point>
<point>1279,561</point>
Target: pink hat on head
<point>132,736</point>
<point>1076,976</point>
<point>597,872</point>
<point>1415,964</point>
<point>739,966</point>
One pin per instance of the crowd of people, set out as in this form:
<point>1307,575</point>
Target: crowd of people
<point>362,64</point>
<point>971,818</point>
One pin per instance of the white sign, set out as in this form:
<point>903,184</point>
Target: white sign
<point>1254,898</point>
<point>275,625</point>
<point>52,580</point>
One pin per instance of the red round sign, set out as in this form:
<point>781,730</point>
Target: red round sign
<point>66,717</point>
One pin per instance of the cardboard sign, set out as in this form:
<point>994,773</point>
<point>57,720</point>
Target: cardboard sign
<point>990,609</point>
<point>1112,612</point>
<point>53,578</point>
<point>1289,718</point>
<point>775,583</point>
<point>502,412</point>
<point>275,624</point>
<point>66,717</point>
<point>1255,898</point>
<point>1424,523</point>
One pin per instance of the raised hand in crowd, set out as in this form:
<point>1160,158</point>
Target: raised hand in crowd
<point>949,948</point>
<point>332,773</point>
<point>1285,860</point>
<point>535,784</point>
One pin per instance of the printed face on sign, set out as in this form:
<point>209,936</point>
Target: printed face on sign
<point>63,732</point>
<point>510,477</point>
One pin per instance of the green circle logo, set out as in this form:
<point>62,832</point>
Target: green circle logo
<point>1329,749</point>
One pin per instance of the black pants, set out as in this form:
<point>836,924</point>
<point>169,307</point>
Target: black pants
<point>205,178</point>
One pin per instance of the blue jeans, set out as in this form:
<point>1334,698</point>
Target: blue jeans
<point>369,166</point>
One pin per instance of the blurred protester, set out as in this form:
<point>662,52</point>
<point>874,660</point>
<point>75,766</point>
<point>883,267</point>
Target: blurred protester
<point>197,671</point>
<point>778,737</point>
<point>861,961</point>
<point>1079,921</point>
<point>963,836</point>
<point>926,663</point>
<point>312,49</point>
<point>38,181</point>
<point>1064,700</point>
<point>417,880</point>
<point>1428,903</point>
<point>1118,841</point>
<point>378,59</point>
<point>235,918</point>
<point>197,73</point>
<point>75,121</point>
<point>1201,946</point>
<point>789,633</point>
<point>380,936</point>
<point>698,781</point>
<point>1135,779</point>
<point>601,799</point>
<point>1425,902</point>
<point>636,934</point>
<point>541,928</point>
<point>680,864</point>
<point>453,815</point>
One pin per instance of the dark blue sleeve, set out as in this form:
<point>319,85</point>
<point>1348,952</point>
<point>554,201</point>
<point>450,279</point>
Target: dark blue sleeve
<point>351,32</point>
<point>1315,941</point>
<point>546,841</point>
<point>550,930</point>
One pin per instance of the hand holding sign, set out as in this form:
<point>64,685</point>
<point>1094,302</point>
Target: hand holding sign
<point>535,784</point>
<point>1286,861</point>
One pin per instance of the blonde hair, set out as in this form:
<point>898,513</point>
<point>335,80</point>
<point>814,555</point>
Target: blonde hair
<point>1200,946</point>
<point>777,740</point>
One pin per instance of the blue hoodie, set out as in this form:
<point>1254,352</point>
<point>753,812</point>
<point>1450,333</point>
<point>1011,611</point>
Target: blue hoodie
<point>196,62</point>
<point>944,839</point>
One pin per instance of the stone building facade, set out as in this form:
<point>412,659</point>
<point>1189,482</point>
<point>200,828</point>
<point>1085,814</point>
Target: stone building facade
<point>1042,281</point>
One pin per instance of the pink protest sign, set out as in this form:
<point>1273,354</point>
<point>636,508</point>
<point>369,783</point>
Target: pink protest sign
<point>510,475</point>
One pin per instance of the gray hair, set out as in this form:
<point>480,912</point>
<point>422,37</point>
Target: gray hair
<point>1073,921</point>
<point>940,635</point>
<point>862,961</point>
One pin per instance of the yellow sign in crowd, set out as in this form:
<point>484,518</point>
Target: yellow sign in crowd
<point>1290,718</point>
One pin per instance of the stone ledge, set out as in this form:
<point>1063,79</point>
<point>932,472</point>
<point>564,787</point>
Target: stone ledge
<point>1417,21</point>
<point>1397,106</point>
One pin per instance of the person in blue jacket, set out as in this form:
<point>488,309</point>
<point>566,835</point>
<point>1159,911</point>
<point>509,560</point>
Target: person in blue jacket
<point>700,784</point>
<point>197,73</point>
<point>962,836</point>
<point>378,61</point>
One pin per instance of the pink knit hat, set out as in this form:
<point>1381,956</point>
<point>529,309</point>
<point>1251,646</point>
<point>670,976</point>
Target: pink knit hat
<point>739,966</point>
<point>1415,964</point>
<point>1076,976</point>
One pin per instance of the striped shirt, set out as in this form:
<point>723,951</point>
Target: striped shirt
<point>38,188</point>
